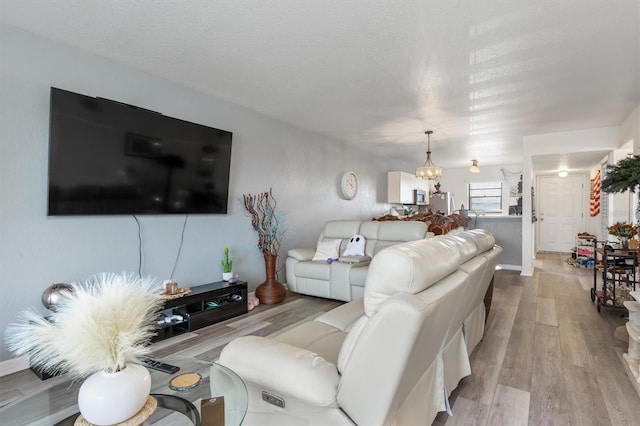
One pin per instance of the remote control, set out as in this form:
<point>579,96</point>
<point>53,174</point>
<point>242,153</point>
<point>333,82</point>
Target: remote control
<point>161,366</point>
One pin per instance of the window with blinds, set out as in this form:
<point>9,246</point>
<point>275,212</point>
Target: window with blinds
<point>485,197</point>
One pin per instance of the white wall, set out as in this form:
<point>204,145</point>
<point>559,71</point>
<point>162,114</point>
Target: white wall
<point>555,143</point>
<point>630,130</point>
<point>567,142</point>
<point>457,181</point>
<point>304,170</point>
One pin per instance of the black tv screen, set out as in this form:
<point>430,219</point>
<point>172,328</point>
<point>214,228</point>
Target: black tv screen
<point>110,158</point>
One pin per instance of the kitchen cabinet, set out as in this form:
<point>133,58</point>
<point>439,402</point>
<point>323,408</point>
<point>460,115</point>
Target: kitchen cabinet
<point>400,187</point>
<point>507,230</point>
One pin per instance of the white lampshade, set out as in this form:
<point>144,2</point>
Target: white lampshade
<point>429,170</point>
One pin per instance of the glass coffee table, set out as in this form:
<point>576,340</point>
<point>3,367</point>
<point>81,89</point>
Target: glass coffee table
<point>58,405</point>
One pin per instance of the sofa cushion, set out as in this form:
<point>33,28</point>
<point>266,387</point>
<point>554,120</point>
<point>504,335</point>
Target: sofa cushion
<point>318,269</point>
<point>301,254</point>
<point>403,269</point>
<point>317,337</point>
<point>381,235</point>
<point>396,231</point>
<point>327,248</point>
<point>483,239</point>
<point>464,243</point>
<point>292,370</point>
<point>340,228</point>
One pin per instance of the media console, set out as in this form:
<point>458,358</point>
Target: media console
<point>205,305</point>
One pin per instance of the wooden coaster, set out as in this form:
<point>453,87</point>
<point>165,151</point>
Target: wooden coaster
<point>185,381</point>
<point>140,417</point>
<point>179,293</point>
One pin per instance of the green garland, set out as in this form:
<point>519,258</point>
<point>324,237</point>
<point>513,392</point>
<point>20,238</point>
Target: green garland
<point>623,176</point>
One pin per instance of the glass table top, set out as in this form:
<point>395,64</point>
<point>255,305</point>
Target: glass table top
<point>58,405</point>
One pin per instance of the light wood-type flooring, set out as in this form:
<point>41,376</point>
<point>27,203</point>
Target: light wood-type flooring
<point>547,358</point>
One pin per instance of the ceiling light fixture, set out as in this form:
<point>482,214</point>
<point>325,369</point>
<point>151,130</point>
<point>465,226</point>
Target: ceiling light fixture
<point>474,167</point>
<point>429,170</point>
<point>563,173</point>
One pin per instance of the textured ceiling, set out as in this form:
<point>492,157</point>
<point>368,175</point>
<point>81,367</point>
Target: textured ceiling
<point>375,73</point>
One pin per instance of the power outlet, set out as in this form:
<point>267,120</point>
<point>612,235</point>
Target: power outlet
<point>272,399</point>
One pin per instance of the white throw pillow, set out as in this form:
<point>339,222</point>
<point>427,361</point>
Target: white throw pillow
<point>355,246</point>
<point>328,248</point>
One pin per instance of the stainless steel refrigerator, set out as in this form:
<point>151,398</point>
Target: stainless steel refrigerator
<point>442,201</point>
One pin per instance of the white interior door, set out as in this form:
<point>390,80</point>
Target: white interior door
<point>561,211</point>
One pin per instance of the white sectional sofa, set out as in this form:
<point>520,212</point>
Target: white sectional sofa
<point>345,278</point>
<point>391,357</point>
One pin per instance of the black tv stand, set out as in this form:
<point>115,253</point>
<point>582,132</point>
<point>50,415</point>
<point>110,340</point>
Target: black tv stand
<point>205,305</point>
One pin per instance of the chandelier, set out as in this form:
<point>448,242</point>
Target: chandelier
<point>429,170</point>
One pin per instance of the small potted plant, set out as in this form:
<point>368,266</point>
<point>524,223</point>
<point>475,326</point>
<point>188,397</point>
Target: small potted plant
<point>227,265</point>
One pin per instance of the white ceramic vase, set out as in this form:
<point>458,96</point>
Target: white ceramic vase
<point>226,276</point>
<point>109,398</point>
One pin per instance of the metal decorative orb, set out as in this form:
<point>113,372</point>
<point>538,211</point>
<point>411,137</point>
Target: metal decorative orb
<point>54,294</point>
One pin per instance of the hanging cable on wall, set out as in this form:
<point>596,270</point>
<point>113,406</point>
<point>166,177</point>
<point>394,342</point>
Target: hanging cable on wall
<point>139,246</point>
<point>184,226</point>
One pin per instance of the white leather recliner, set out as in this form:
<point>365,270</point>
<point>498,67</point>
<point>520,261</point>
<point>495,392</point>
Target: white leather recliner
<point>391,357</point>
<point>345,279</point>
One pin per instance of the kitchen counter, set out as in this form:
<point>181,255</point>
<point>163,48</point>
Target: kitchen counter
<point>507,231</point>
<point>498,216</point>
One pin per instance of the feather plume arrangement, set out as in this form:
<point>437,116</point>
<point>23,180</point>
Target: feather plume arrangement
<point>107,322</point>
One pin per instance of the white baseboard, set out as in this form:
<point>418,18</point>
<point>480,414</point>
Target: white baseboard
<point>510,267</point>
<point>13,365</point>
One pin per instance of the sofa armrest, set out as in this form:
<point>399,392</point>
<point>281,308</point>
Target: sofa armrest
<point>284,368</point>
<point>302,254</point>
<point>355,260</point>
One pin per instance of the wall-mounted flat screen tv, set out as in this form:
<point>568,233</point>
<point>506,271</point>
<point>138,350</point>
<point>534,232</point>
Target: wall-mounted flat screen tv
<point>110,158</point>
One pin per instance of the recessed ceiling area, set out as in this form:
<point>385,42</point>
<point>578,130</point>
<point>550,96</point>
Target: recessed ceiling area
<point>376,74</point>
<point>577,162</point>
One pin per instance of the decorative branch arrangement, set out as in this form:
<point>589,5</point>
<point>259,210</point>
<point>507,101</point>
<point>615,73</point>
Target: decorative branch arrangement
<point>265,221</point>
<point>621,229</point>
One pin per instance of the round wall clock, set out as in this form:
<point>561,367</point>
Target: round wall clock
<point>349,185</point>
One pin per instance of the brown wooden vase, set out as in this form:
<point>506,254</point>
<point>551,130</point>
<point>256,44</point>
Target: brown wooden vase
<point>271,291</point>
